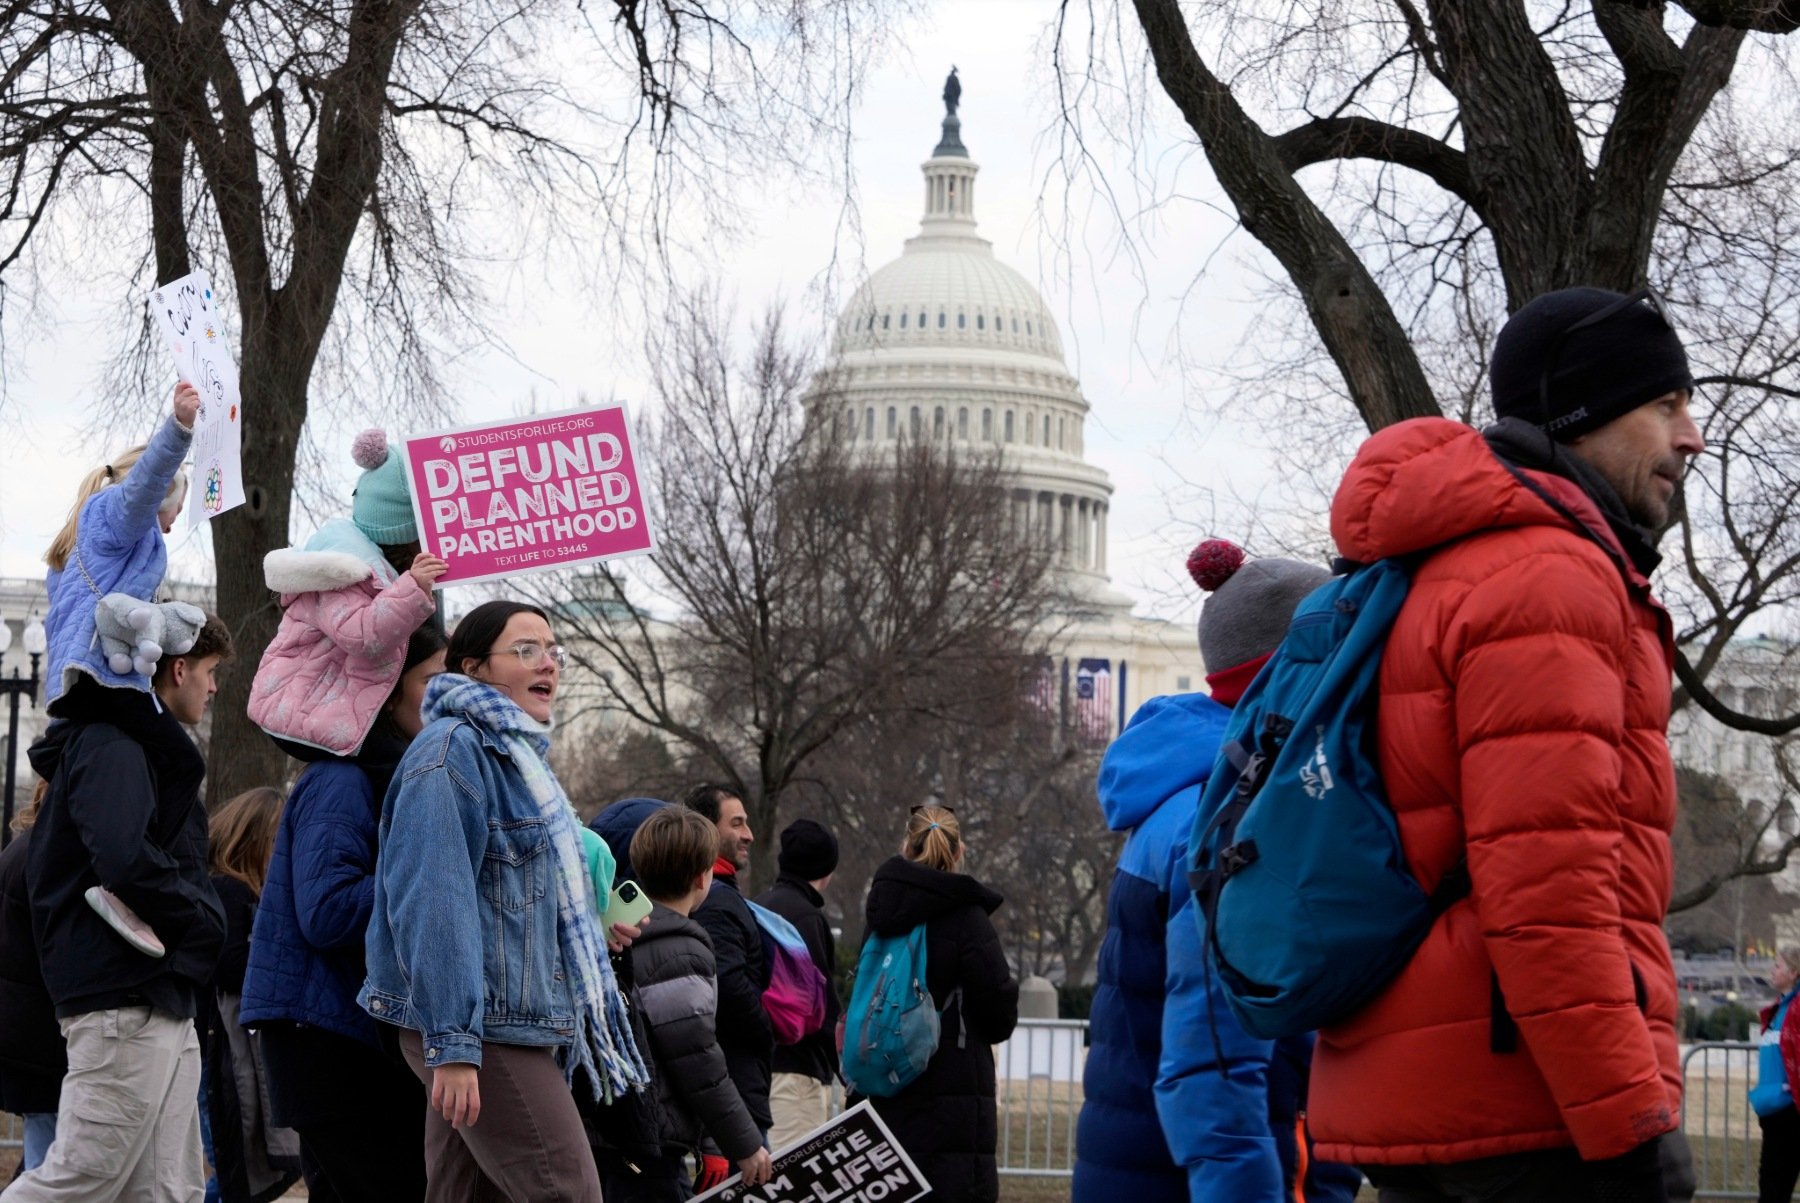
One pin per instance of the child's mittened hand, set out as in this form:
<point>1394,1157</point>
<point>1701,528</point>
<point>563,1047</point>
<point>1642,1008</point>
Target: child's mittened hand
<point>427,568</point>
<point>187,404</point>
<point>713,1171</point>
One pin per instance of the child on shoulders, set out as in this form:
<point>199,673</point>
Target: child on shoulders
<point>350,600</point>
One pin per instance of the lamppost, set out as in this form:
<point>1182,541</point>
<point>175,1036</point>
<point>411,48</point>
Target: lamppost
<point>16,687</point>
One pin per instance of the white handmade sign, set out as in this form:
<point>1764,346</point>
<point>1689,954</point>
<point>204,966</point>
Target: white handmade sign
<point>185,312</point>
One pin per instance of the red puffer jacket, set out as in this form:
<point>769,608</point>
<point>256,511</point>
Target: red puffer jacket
<point>1524,698</point>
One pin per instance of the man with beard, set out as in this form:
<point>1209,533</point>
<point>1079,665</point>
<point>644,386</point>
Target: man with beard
<point>1527,1051</point>
<point>744,1031</point>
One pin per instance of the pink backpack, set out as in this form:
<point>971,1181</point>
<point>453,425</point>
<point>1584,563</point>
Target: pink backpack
<point>795,997</point>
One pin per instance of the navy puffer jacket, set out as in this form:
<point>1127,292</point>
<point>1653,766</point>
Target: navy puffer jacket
<point>306,950</point>
<point>1182,1105</point>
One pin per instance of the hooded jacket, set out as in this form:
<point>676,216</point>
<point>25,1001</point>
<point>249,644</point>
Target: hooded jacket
<point>123,811</point>
<point>617,822</point>
<point>119,548</point>
<point>335,659</point>
<point>1525,694</point>
<point>672,963</point>
<point>743,974</point>
<point>946,1118</point>
<point>1169,1115</point>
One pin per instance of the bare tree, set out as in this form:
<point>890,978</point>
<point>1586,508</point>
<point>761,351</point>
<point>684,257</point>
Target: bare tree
<point>1417,168</point>
<point>315,154</point>
<point>812,585</point>
<point>1727,854</point>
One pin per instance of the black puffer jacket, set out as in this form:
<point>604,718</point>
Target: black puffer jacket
<point>123,811</point>
<point>795,900</point>
<point>744,1030</point>
<point>946,1119</point>
<point>672,963</point>
<point>33,1057</point>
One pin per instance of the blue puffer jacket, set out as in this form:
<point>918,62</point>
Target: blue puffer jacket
<point>1165,1119</point>
<point>120,544</point>
<point>306,950</point>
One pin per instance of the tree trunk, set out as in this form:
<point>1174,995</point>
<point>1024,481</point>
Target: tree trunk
<point>241,756</point>
<point>763,817</point>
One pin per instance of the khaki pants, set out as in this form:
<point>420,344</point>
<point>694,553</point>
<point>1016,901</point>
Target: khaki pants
<point>129,1125</point>
<point>799,1104</point>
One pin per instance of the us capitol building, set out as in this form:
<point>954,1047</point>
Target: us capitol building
<point>947,343</point>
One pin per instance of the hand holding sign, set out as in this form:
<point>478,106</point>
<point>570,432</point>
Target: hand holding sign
<point>187,404</point>
<point>755,1168</point>
<point>852,1159</point>
<point>184,310</point>
<point>426,569</point>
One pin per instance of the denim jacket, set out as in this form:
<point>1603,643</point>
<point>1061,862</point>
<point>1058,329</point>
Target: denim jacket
<point>462,946</point>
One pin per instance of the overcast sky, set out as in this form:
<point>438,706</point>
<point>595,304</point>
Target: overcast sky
<point>1119,328</point>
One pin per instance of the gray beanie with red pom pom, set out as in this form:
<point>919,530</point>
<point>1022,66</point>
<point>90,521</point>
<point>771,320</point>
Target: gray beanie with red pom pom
<point>382,505</point>
<point>1251,603</point>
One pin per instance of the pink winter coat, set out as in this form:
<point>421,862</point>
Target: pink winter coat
<point>339,651</point>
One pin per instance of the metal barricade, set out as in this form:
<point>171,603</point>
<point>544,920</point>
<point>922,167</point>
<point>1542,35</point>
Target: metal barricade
<point>1038,1074</point>
<point>1716,1114</point>
<point>1040,1068</point>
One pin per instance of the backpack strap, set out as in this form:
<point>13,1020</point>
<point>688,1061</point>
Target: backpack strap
<point>1503,1031</point>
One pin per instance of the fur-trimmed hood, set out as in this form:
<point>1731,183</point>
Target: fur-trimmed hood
<point>346,618</point>
<point>338,556</point>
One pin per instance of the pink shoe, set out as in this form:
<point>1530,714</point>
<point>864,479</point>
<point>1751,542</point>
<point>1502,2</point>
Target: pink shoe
<point>124,920</point>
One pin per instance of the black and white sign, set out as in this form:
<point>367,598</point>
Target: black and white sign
<point>853,1159</point>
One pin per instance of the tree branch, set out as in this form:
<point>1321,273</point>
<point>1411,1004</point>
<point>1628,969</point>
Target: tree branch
<point>1353,317</point>
<point>1329,138</point>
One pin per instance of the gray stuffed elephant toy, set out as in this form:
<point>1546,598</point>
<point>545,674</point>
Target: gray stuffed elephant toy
<point>135,634</point>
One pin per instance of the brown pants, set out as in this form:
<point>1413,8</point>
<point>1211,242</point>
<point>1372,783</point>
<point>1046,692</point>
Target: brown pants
<point>528,1145</point>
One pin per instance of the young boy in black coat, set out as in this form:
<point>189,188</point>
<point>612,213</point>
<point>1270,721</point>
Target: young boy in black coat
<point>672,855</point>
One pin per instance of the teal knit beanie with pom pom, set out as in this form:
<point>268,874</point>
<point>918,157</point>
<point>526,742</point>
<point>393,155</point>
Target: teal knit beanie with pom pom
<point>382,504</point>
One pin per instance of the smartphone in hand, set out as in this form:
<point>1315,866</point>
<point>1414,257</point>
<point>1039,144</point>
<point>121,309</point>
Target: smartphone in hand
<point>627,905</point>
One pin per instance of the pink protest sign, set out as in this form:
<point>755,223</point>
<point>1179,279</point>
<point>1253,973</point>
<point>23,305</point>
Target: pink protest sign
<point>507,498</point>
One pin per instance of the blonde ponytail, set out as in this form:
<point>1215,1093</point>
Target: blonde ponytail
<point>63,546</point>
<point>933,838</point>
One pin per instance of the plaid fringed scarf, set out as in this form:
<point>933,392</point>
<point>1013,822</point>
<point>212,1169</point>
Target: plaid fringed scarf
<point>603,1042</point>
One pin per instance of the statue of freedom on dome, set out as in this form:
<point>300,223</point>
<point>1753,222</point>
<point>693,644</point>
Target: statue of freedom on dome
<point>952,92</point>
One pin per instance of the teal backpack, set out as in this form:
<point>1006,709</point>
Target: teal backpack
<point>1306,903</point>
<point>892,1027</point>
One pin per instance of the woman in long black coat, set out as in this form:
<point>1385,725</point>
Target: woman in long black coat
<point>946,1119</point>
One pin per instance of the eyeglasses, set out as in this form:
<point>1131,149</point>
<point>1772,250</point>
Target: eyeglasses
<point>1648,297</point>
<point>532,654</point>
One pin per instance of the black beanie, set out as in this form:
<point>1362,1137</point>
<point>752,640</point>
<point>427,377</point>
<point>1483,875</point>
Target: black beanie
<point>808,850</point>
<point>1627,359</point>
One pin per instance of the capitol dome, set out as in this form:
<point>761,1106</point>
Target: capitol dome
<point>948,291</point>
<point>948,343</point>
